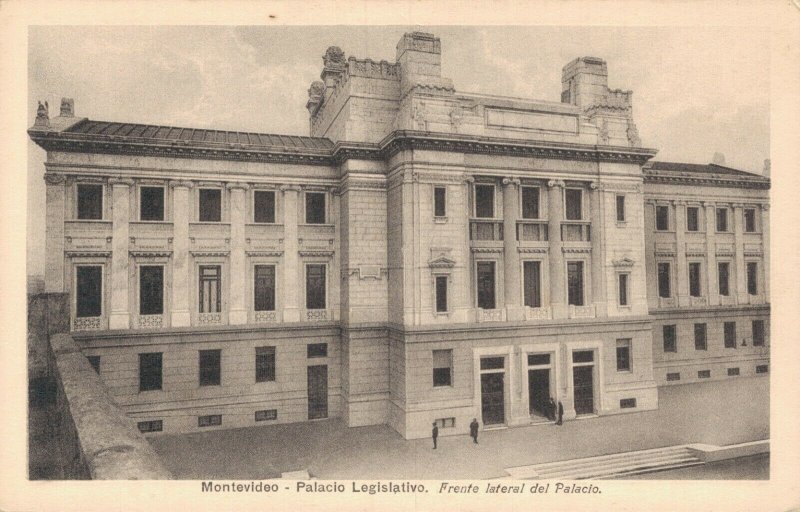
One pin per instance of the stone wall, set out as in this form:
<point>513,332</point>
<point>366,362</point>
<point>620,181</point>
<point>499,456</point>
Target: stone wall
<point>48,313</point>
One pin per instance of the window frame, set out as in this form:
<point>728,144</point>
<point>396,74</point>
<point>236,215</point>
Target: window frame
<point>257,191</point>
<point>437,212</point>
<point>538,202</point>
<point>762,340</point>
<point>200,288</point>
<point>449,368</point>
<point>475,187</point>
<point>659,282</point>
<point>581,204</point>
<point>159,385</point>
<point>140,274</point>
<point>626,344</point>
<point>583,298</point>
<point>539,297</point>
<point>102,300</point>
<point>255,288</point>
<point>311,353</point>
<point>704,339</point>
<point>203,377</point>
<point>717,218</point>
<point>673,340</point>
<point>478,288</point>
<point>727,280</point>
<point>324,266</point>
<point>218,189</point>
<point>437,278</point>
<point>144,186</point>
<point>266,371</point>
<point>689,229</point>
<point>306,212</point>
<point>624,289</point>
<point>695,288</point>
<point>77,209</point>
<point>620,208</point>
<point>729,334</point>
<point>665,208</point>
<point>744,220</point>
<point>752,280</point>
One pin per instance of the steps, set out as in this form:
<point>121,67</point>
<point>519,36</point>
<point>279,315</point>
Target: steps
<point>609,466</point>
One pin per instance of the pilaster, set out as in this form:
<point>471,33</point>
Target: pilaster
<point>238,211</point>
<point>558,298</point>
<point>711,255</point>
<point>291,260</point>
<point>765,243</point>
<point>682,268</point>
<point>181,316</point>
<point>742,296</point>
<point>54,240</point>
<point>598,233</point>
<point>120,308</point>
<point>511,269</point>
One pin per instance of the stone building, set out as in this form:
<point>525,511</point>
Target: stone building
<point>426,255</point>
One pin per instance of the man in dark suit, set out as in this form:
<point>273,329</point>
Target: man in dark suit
<point>551,410</point>
<point>560,413</point>
<point>473,430</point>
<point>434,434</point>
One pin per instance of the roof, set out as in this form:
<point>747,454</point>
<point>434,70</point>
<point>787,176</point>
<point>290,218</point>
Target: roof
<point>699,168</point>
<point>703,175</point>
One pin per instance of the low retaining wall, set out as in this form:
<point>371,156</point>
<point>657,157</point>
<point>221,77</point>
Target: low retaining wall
<point>711,453</point>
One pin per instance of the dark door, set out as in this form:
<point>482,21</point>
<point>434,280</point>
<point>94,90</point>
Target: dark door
<point>584,389</point>
<point>317,392</point>
<point>539,391</point>
<point>492,398</point>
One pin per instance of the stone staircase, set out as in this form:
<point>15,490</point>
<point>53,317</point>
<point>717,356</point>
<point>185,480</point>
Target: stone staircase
<point>618,465</point>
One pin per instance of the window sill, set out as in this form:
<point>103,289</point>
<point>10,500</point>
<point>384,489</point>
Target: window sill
<point>622,223</point>
<point>140,221</point>
<point>440,220</point>
<point>90,221</point>
<point>210,223</point>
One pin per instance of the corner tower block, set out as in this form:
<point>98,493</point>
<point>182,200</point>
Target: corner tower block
<point>419,55</point>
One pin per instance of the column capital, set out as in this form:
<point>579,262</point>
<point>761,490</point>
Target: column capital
<point>237,186</point>
<point>469,180</point>
<point>54,178</point>
<point>120,182</point>
<point>181,183</point>
<point>511,181</point>
<point>764,207</point>
<point>291,188</point>
<point>597,186</point>
<point>556,183</point>
<point>680,202</point>
<point>738,205</point>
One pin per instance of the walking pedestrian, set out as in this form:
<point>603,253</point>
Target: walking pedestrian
<point>560,413</point>
<point>473,430</point>
<point>551,410</point>
<point>434,434</point>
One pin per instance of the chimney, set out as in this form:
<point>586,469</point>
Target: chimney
<point>584,82</point>
<point>767,167</point>
<point>718,159</point>
<point>420,57</point>
<point>67,107</point>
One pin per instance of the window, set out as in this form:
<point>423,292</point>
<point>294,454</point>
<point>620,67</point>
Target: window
<point>439,202</point>
<point>573,198</point>
<point>575,283</point>
<point>446,422</point>
<point>484,201</point>
<point>627,403</point>
<point>733,372</point>
<point>267,415</point>
<point>583,356</point>
<point>620,208</point>
<point>212,420</point>
<point>624,355</point>
<point>90,202</point>
<point>315,208</point>
<point>532,283</point>
<point>265,364</point>
<point>700,337</point>
<point>264,287</point>
<point>151,290</point>
<point>673,376</point>
<point>150,371</point>
<point>95,362</point>
<point>694,280</point>
<point>530,202</point>
<point>704,374</point>
<point>315,286</point>
<point>493,363</point>
<point>151,203</point>
<point>210,289</point>
<point>752,278</point>
<point>623,289</point>
<point>538,359</point>
<point>662,218</point>
<point>210,368</point>
<point>210,205</point>
<point>314,350</point>
<point>442,368</point>
<point>150,426</point>
<point>729,329</point>
<point>723,278</point>
<point>89,291</point>
<point>749,220</point>
<point>664,281</point>
<point>758,333</point>
<point>669,333</point>
<point>441,294</point>
<point>762,368</point>
<point>692,218</point>
<point>722,219</point>
<point>486,288</point>
<point>264,206</point>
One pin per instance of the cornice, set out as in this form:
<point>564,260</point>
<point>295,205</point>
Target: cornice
<point>756,182</point>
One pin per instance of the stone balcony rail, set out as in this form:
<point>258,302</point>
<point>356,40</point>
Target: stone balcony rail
<point>576,231</point>
<point>485,230</point>
<point>532,231</point>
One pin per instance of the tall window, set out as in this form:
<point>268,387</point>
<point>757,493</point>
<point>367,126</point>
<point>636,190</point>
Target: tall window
<point>210,367</point>
<point>150,371</point>
<point>442,368</point>
<point>624,355</point>
<point>486,289</point>
<point>530,202</point>
<point>664,281</point>
<point>151,203</point>
<point>692,218</point>
<point>575,283</point>
<point>532,282</point>
<point>264,206</point>
<point>723,278</point>
<point>758,333</point>
<point>620,208</point>
<point>439,202</point>
<point>694,280</point>
<point>623,289</point>
<point>662,218</point>
<point>265,364</point>
<point>729,329</point>
<point>722,219</point>
<point>441,294</point>
<point>669,334</point>
<point>151,290</point>
<point>573,198</point>
<point>752,278</point>
<point>210,207</point>
<point>264,287</point>
<point>484,201</point>
<point>315,286</point>
<point>210,289</point>
<point>89,291</point>
<point>700,337</point>
<point>749,220</point>
<point>315,208</point>
<point>90,202</point>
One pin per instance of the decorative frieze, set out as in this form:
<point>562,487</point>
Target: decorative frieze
<point>92,323</point>
<point>317,315</point>
<point>151,321</point>
<point>265,316</point>
<point>209,318</point>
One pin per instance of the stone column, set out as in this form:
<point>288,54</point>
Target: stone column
<point>335,279</point>
<point>181,271</point>
<point>650,253</point>
<point>511,271</point>
<point>742,297</point>
<point>55,214</point>
<point>765,245</point>
<point>555,215</point>
<point>292,278</point>
<point>682,268</point>
<point>711,255</point>
<point>599,292</point>
<point>120,262</point>
<point>238,201</point>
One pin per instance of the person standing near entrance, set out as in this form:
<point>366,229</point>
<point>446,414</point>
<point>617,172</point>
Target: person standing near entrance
<point>473,430</point>
<point>560,413</point>
<point>434,434</point>
<point>551,410</point>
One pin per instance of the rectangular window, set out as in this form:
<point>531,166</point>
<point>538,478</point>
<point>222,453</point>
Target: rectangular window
<point>723,278</point>
<point>150,371</point>
<point>150,426</point>
<point>264,206</point>
<point>733,372</point>
<point>89,291</point>
<point>692,218</point>
<point>314,350</point>
<point>749,220</point>
<point>722,219</point>
<point>264,287</point>
<point>151,203</point>
<point>669,333</point>
<point>573,199</point>
<point>439,202</point>
<point>90,202</point>
<point>151,290</point>
<point>267,415</point>
<point>620,208</point>
<point>484,201</point>
<point>210,367</point>
<point>442,368</point>
<point>664,281</point>
<point>623,289</point>
<point>492,363</point>
<point>758,333</point>
<point>729,329</point>
<point>441,294</point>
<point>538,359</point>
<point>95,362</point>
<point>575,282</point>
<point>212,420</point>
<point>315,287</point>
<point>265,364</point>
<point>694,280</point>
<point>673,376</point>
<point>532,282</point>
<point>700,337</point>
<point>627,403</point>
<point>752,278</point>
<point>446,422</point>
<point>583,356</point>
<point>210,289</point>
<point>662,218</point>
<point>704,374</point>
<point>530,202</point>
<point>762,368</point>
<point>624,355</point>
<point>486,288</point>
<point>315,208</point>
<point>210,205</point>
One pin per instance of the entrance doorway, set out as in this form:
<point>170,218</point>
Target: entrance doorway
<point>492,398</point>
<point>583,381</point>
<point>317,392</point>
<point>539,392</point>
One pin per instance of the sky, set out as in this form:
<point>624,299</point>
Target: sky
<point>696,91</point>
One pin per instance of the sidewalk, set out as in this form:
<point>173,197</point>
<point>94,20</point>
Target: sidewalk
<point>725,412</point>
